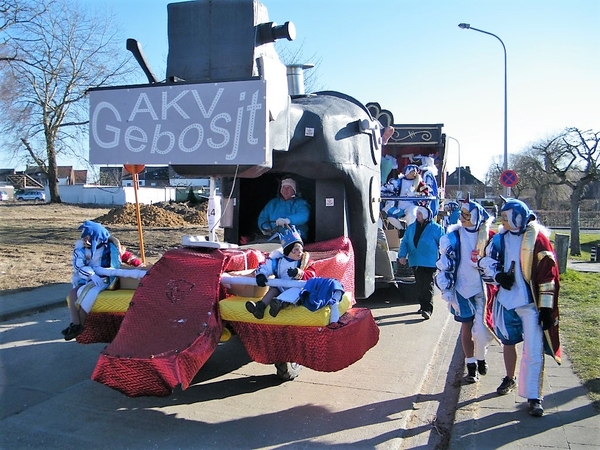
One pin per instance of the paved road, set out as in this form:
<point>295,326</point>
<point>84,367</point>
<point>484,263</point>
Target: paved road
<point>49,401</point>
<point>402,394</point>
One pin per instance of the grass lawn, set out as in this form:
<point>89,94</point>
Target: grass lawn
<point>579,305</point>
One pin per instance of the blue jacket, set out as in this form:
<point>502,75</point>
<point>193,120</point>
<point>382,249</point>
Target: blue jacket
<point>426,252</point>
<point>296,209</point>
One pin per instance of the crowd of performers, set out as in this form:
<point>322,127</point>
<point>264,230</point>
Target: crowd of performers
<point>501,285</point>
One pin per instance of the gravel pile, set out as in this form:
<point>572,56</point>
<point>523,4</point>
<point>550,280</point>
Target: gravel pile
<point>161,215</point>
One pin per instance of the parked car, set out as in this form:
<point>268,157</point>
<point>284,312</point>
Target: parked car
<point>4,196</point>
<point>31,195</point>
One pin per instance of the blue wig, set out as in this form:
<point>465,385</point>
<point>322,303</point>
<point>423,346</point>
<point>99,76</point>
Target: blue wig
<point>479,214</point>
<point>97,233</point>
<point>519,214</point>
<point>410,168</point>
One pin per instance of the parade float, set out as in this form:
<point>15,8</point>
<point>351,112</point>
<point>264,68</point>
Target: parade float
<point>229,110</point>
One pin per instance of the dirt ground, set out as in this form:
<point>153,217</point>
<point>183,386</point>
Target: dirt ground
<point>36,240</point>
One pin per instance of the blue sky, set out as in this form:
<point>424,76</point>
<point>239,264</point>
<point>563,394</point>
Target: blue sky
<point>412,58</point>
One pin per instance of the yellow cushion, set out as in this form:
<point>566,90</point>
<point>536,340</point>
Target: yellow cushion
<point>234,309</point>
<point>112,301</point>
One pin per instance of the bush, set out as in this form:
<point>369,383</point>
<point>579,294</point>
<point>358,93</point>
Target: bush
<point>191,198</point>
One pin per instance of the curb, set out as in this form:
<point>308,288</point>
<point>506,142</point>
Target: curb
<point>19,312</point>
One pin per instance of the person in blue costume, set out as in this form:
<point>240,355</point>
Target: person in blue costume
<point>285,210</point>
<point>408,184</point>
<point>460,283</point>
<point>95,249</point>
<point>419,247</point>
<point>520,260</point>
<point>452,210</point>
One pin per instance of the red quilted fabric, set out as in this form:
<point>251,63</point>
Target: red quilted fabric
<point>171,328</point>
<point>326,349</point>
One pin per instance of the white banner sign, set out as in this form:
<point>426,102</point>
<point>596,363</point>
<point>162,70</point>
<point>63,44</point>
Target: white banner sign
<point>207,124</point>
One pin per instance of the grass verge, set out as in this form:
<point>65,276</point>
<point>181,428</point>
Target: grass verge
<point>579,305</point>
<point>587,241</point>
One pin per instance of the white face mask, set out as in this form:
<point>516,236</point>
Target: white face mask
<point>509,223</point>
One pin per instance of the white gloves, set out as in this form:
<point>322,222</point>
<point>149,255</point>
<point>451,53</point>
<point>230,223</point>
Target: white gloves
<point>450,297</point>
<point>98,281</point>
<point>282,221</point>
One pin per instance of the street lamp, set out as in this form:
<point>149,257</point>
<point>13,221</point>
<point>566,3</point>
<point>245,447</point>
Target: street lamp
<point>505,167</point>
<point>459,166</point>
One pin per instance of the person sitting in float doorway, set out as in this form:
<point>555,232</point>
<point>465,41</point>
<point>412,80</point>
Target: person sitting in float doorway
<point>290,262</point>
<point>287,209</point>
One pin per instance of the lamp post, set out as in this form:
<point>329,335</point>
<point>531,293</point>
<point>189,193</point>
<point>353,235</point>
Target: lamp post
<point>458,192</point>
<point>466,26</point>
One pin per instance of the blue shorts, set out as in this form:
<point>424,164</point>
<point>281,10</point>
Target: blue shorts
<point>508,324</point>
<point>466,308</point>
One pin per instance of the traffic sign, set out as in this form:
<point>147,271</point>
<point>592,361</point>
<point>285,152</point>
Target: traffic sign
<point>509,178</point>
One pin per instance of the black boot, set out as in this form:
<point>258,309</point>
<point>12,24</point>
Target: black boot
<point>275,306</point>
<point>482,366</point>
<point>535,407</point>
<point>257,309</point>
<point>72,331</point>
<point>472,375</point>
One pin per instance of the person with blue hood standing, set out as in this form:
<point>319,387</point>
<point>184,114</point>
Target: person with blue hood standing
<point>521,260</point>
<point>95,249</point>
<point>419,247</point>
<point>460,282</point>
<point>452,210</point>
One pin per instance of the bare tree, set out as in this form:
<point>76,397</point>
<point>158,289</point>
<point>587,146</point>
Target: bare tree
<point>297,56</point>
<point>534,166</point>
<point>571,159</point>
<point>61,52</point>
<point>13,12</point>
<point>582,155</point>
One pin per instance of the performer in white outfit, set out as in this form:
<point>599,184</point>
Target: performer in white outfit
<point>460,282</point>
<point>520,259</point>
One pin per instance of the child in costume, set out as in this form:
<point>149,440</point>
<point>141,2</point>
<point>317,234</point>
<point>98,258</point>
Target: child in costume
<point>521,260</point>
<point>409,184</point>
<point>290,262</point>
<point>95,251</point>
<point>460,283</point>
<point>126,256</point>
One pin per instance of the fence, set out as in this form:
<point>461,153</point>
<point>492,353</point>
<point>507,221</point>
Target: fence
<point>562,219</point>
<point>112,195</point>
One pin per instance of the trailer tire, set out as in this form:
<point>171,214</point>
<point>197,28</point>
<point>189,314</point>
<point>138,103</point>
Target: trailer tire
<point>287,371</point>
